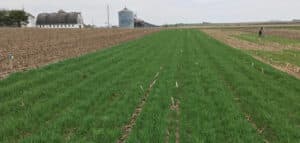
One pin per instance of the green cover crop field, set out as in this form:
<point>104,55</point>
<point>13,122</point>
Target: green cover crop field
<point>171,86</point>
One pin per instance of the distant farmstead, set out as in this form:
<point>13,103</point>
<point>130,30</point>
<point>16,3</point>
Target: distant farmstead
<point>61,19</point>
<point>127,19</point>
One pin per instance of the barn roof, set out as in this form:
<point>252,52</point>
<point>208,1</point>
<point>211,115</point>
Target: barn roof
<point>61,17</point>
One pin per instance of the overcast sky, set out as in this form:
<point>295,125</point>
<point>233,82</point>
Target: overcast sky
<point>168,11</point>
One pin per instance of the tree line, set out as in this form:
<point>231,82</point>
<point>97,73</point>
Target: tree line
<point>13,18</point>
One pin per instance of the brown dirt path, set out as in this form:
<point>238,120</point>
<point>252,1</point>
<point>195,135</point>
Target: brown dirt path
<point>128,127</point>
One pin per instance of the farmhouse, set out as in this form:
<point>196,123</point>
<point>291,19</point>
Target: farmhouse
<point>61,19</point>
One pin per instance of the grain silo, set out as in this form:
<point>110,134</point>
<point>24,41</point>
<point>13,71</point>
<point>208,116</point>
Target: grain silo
<point>126,18</point>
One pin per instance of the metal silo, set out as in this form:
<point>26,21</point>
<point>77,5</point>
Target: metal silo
<point>126,18</point>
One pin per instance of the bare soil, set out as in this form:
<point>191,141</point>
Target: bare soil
<point>286,33</point>
<point>288,68</point>
<point>227,36</point>
<point>32,48</point>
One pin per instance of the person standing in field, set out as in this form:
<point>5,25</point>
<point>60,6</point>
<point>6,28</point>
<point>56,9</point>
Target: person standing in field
<point>260,33</point>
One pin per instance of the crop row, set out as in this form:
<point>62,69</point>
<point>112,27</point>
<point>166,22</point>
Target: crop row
<point>205,92</point>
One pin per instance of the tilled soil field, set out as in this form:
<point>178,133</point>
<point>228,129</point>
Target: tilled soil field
<point>22,49</point>
<point>286,33</point>
<point>228,36</point>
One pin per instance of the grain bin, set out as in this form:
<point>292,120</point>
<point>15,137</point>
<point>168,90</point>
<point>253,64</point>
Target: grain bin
<point>126,18</point>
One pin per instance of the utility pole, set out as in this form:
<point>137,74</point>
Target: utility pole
<point>23,8</point>
<point>93,24</point>
<point>108,16</point>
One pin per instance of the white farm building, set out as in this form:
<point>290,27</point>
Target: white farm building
<point>31,21</point>
<point>61,19</point>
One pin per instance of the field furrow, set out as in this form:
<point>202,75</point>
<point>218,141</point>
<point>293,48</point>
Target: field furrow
<point>175,86</point>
